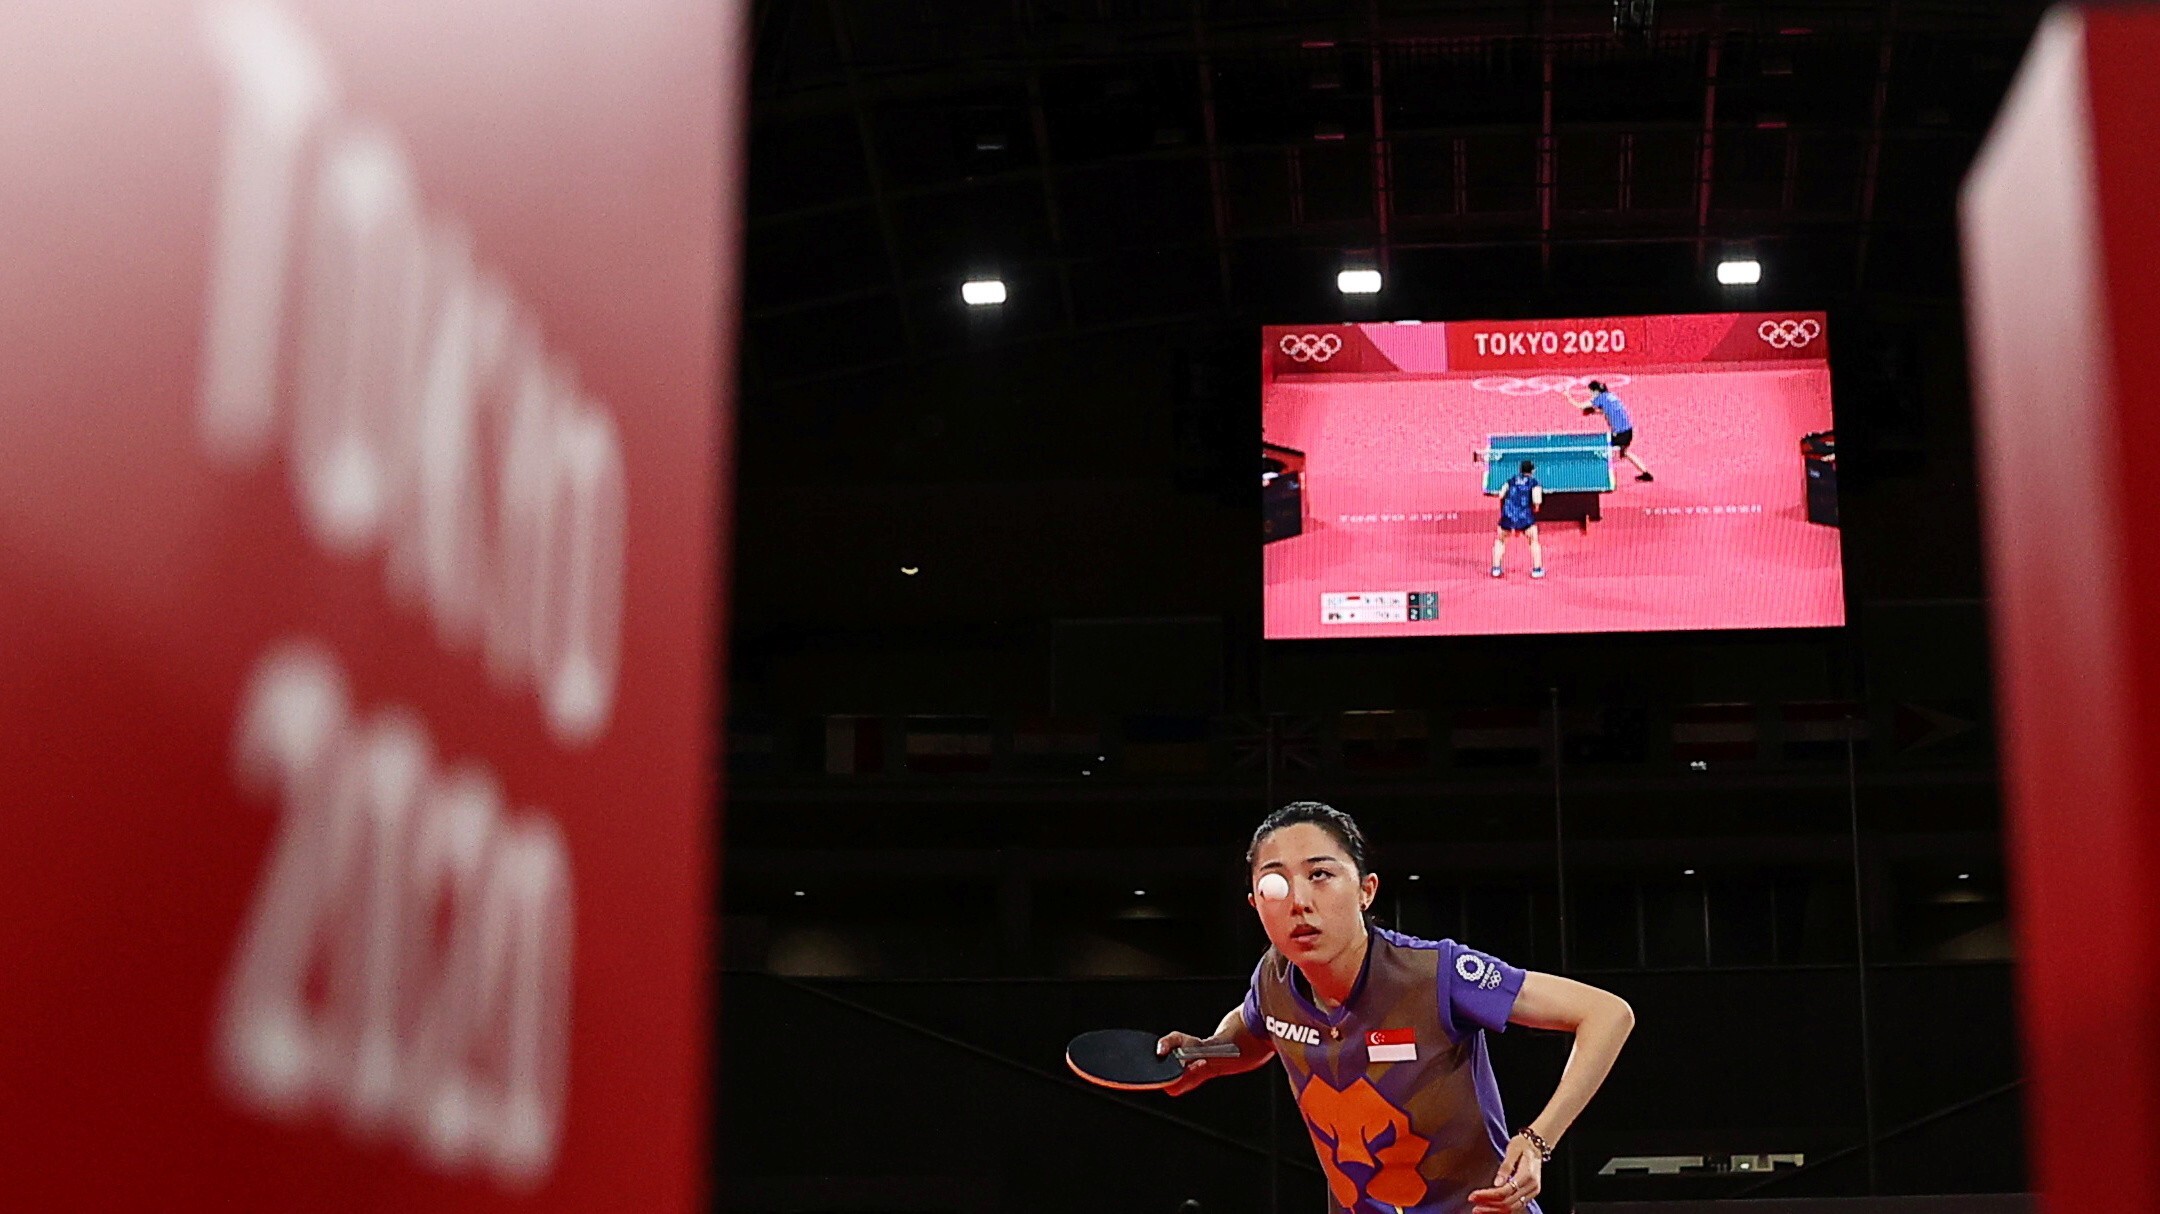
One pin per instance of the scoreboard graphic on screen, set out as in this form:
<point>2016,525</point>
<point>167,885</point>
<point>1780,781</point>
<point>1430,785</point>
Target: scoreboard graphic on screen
<point>1379,607</point>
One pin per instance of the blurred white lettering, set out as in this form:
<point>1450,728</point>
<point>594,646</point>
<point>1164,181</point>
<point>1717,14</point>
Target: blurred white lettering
<point>422,414</point>
<point>280,91</point>
<point>407,958</point>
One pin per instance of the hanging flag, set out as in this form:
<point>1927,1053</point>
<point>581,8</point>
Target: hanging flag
<point>1708,733</point>
<point>1297,740</point>
<point>1605,733</point>
<point>1816,730</point>
<point>1938,730</point>
<point>1383,740</point>
<point>753,746</point>
<point>1249,742</point>
<point>854,745</point>
<point>1166,745</point>
<point>1497,737</point>
<point>1057,746</point>
<point>1294,741</point>
<point>948,745</point>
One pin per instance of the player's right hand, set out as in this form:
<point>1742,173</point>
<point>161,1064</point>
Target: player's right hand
<point>1197,1070</point>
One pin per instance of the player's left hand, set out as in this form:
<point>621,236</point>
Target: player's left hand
<point>1520,1178</point>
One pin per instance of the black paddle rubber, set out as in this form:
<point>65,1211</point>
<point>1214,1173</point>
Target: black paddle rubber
<point>1126,1059</point>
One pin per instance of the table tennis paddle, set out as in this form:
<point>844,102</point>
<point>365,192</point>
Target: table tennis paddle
<point>1126,1059</point>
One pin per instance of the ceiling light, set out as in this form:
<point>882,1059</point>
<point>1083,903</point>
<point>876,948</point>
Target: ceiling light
<point>1739,272</point>
<point>1358,282</point>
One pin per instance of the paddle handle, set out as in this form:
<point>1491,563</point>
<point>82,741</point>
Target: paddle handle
<point>1187,1053</point>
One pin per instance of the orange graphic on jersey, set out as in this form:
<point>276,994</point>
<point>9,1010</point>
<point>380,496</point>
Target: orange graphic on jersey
<point>1357,1125</point>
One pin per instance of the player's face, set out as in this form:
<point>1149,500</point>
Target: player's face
<point>1324,914</point>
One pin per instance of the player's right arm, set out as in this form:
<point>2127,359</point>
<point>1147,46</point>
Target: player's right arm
<point>1254,1050</point>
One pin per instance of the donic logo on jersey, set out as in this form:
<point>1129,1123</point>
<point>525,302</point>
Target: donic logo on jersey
<point>1303,1034</point>
<point>1366,1147</point>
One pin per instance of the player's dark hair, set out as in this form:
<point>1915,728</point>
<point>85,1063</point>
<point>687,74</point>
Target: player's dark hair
<point>1595,386</point>
<point>1340,826</point>
<point>1528,467</point>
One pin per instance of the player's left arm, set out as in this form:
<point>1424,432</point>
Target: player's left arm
<point>1537,496</point>
<point>1600,1021</point>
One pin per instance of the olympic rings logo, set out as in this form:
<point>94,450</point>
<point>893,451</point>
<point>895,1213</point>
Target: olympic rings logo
<point>1479,970</point>
<point>1310,347</point>
<point>1508,385</point>
<point>1788,334</point>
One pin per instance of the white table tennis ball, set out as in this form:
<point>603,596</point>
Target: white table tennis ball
<point>1273,887</point>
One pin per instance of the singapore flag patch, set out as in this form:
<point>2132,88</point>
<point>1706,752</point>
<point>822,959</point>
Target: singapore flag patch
<point>1391,1045</point>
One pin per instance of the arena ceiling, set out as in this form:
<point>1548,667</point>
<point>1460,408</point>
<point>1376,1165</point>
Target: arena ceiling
<point>1123,163</point>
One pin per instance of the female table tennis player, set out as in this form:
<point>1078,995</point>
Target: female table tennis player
<point>1383,1035</point>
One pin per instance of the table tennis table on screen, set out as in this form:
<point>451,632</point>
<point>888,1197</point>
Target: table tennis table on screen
<point>1575,470</point>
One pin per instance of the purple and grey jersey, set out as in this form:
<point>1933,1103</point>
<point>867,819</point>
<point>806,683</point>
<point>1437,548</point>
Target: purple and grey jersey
<point>1396,1086</point>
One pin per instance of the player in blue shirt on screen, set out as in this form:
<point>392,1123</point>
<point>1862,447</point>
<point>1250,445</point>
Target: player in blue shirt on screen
<point>1519,499</point>
<point>1603,401</point>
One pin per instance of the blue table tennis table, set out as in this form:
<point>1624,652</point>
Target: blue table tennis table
<point>1575,470</point>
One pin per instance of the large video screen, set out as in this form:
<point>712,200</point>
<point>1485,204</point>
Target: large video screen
<point>1626,474</point>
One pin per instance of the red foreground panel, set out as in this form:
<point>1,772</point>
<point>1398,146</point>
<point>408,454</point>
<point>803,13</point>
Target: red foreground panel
<point>2061,237</point>
<point>359,544</point>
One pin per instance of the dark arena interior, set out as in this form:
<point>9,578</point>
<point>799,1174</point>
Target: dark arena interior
<point>1002,708</point>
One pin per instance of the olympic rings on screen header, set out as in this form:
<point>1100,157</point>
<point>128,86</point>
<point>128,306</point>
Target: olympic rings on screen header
<point>1788,334</point>
<point>1310,347</point>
